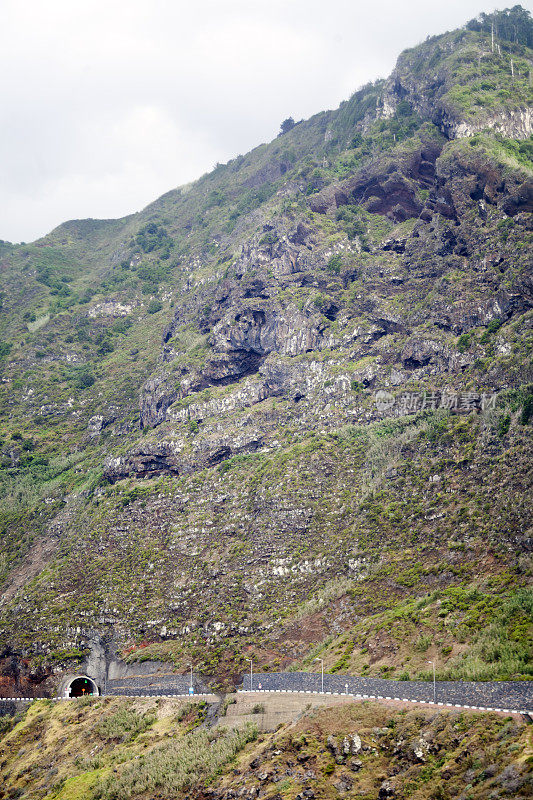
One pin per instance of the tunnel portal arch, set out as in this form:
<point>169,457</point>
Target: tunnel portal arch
<point>80,686</point>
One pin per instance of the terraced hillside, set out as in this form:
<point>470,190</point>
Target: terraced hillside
<point>286,410</point>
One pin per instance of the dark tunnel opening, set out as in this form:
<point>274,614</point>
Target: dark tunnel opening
<point>82,687</point>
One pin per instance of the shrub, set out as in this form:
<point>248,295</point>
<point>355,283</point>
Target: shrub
<point>4,350</point>
<point>122,325</point>
<point>353,224</point>
<point>152,237</point>
<point>105,348</point>
<point>504,423</point>
<point>125,725</point>
<point>423,643</point>
<point>335,263</point>
<point>492,327</point>
<point>286,126</point>
<point>84,380</point>
<point>154,306</point>
<point>179,765</point>
<point>527,409</point>
<point>464,341</point>
<point>270,237</point>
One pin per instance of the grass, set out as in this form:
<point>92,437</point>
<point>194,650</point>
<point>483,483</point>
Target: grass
<point>325,516</point>
<point>502,648</point>
<point>55,751</point>
<point>125,725</point>
<point>79,787</point>
<point>469,633</point>
<point>421,755</point>
<point>178,766</point>
<point>354,511</point>
<point>113,749</point>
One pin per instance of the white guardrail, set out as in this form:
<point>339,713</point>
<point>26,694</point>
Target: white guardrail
<point>285,691</point>
<point>381,697</point>
<point>123,696</point>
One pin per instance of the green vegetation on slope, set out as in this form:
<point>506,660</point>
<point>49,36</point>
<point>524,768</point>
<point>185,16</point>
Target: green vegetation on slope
<point>113,750</point>
<point>469,634</point>
<point>191,455</point>
<point>63,751</point>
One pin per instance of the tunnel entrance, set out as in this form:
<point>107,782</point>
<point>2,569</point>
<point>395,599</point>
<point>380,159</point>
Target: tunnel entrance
<point>81,686</point>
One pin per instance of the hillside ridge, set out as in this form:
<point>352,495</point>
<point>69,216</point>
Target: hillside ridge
<point>285,411</point>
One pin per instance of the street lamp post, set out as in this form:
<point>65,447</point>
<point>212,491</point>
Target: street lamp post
<point>251,673</point>
<point>434,682</point>
<point>322,662</point>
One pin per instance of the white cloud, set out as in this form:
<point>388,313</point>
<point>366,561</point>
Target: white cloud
<point>106,105</point>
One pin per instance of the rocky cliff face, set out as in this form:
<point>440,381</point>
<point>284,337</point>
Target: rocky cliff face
<point>426,78</point>
<point>295,397</point>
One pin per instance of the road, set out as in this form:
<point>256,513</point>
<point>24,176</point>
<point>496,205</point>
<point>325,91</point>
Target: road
<point>506,695</point>
<point>493,694</point>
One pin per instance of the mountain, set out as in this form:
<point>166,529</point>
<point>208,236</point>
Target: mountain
<point>286,409</point>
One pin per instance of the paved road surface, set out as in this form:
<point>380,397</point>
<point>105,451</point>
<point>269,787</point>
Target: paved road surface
<point>512,695</point>
<point>494,694</point>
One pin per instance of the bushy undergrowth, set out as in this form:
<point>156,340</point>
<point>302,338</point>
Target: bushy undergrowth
<point>329,504</point>
<point>503,649</point>
<point>471,635</point>
<point>178,765</point>
<point>125,725</point>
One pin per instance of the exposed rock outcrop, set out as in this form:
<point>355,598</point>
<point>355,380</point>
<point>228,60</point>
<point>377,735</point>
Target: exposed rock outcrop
<point>173,458</point>
<point>240,342</point>
<point>261,329</point>
<point>388,186</point>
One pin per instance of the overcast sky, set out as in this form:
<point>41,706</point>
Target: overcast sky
<point>105,105</point>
